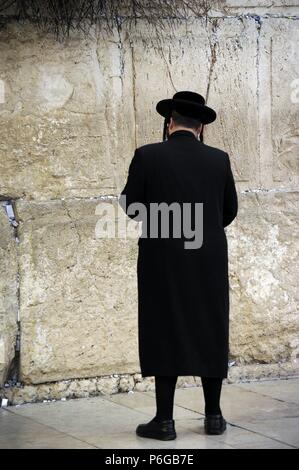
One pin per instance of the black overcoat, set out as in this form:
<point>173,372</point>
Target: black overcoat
<point>183,294</point>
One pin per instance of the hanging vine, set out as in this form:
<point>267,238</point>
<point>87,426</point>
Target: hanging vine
<point>64,16</point>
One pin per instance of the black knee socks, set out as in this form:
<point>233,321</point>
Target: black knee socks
<point>165,389</point>
<point>212,391</point>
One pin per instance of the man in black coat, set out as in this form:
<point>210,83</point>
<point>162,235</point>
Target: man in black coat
<point>183,192</point>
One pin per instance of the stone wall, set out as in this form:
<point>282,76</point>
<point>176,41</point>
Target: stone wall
<point>8,296</point>
<point>73,112</point>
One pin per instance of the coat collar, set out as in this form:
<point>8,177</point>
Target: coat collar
<point>182,132</point>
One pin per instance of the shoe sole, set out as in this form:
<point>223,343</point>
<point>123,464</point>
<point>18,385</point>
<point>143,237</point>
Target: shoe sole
<point>160,438</point>
<point>215,433</point>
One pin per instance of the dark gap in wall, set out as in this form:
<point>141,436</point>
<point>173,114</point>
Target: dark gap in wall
<point>13,373</point>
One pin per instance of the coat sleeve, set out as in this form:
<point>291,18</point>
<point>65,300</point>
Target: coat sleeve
<point>134,190</point>
<point>230,201</point>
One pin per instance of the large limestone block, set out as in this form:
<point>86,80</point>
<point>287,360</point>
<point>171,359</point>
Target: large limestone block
<point>78,294</point>
<point>164,66</point>
<point>217,58</point>
<point>279,106</point>
<point>8,295</point>
<point>263,243</point>
<point>233,93</point>
<point>66,120</point>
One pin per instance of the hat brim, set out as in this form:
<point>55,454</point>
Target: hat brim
<point>194,110</point>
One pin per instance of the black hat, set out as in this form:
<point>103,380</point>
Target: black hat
<point>187,103</point>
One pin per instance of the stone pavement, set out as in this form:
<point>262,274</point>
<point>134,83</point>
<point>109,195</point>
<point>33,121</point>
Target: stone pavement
<point>260,415</point>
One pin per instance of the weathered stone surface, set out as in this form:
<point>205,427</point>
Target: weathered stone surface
<point>72,116</point>
<point>62,125</point>
<point>282,133</point>
<point>164,69</point>
<point>8,295</point>
<point>144,384</point>
<point>263,243</point>
<point>258,7</point>
<point>126,383</point>
<point>224,67</point>
<point>78,294</point>
<point>79,388</point>
<point>259,371</point>
<point>78,300</point>
<point>72,129</point>
<point>233,93</point>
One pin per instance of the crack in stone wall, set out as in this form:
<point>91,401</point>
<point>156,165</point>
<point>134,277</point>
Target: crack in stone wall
<point>9,309</point>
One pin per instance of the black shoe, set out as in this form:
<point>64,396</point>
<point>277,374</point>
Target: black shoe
<point>215,424</point>
<point>162,430</point>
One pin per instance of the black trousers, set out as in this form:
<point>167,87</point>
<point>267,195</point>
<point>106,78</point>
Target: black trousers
<point>165,390</point>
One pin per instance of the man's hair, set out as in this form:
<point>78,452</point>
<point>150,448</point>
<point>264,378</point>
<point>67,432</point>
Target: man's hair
<point>185,121</point>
